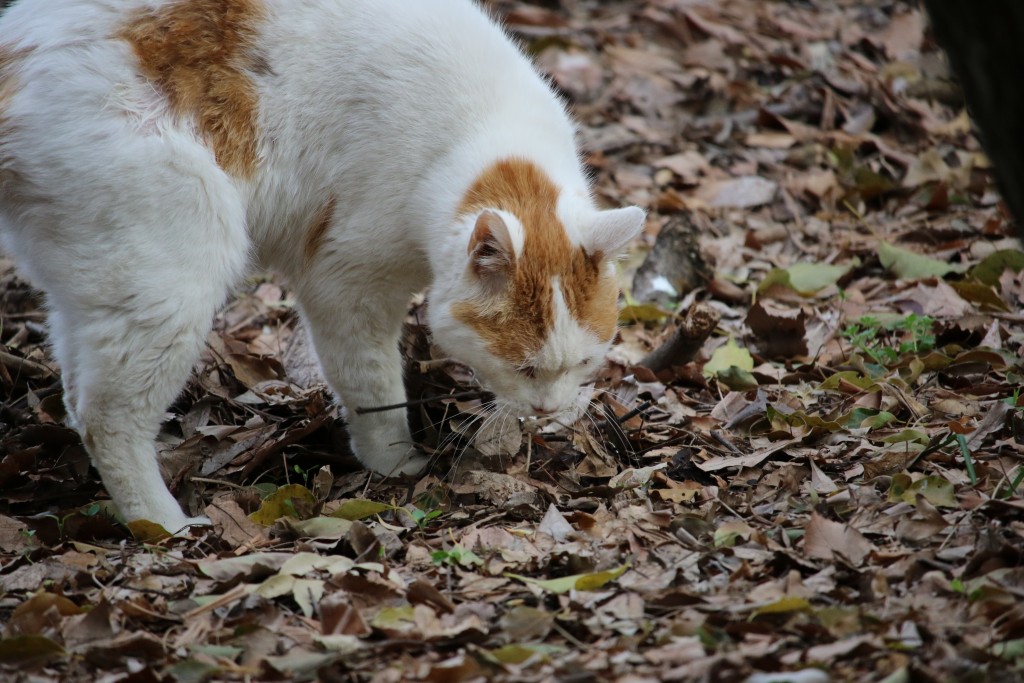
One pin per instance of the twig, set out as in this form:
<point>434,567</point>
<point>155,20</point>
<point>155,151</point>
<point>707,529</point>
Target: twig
<point>219,482</point>
<point>29,368</point>
<point>633,413</point>
<point>674,441</point>
<point>291,437</point>
<point>687,340</point>
<point>421,401</point>
<point>720,438</point>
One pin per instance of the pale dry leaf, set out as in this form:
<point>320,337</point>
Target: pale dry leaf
<point>827,540</point>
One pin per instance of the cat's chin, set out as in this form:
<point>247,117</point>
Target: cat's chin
<point>565,415</point>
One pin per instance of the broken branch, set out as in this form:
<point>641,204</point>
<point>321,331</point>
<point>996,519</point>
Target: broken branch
<point>686,341</point>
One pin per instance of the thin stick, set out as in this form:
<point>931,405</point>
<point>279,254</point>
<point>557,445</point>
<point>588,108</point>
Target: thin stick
<point>633,413</point>
<point>420,401</point>
<point>29,368</point>
<point>268,449</point>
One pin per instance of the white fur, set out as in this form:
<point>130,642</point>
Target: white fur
<point>118,211</point>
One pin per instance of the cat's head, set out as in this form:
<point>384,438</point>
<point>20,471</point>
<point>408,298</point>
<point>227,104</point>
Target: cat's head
<point>533,309</point>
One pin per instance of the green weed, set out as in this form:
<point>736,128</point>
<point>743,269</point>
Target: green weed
<point>886,343</point>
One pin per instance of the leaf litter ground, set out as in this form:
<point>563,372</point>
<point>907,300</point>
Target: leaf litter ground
<point>829,490</point>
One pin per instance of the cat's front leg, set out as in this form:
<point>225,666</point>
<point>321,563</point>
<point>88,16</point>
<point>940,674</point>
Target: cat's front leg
<point>356,341</point>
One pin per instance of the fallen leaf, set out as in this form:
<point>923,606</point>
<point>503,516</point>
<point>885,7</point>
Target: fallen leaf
<point>580,582</point>
<point>910,265</point>
<point>827,540</point>
<point>737,193</point>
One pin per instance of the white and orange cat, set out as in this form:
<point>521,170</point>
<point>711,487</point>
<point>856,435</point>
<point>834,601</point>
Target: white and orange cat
<point>152,151</point>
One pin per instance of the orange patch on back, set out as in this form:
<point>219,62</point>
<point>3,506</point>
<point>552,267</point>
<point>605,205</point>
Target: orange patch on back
<point>8,80</point>
<point>9,85</point>
<point>7,59</point>
<point>318,228</point>
<point>516,327</point>
<point>199,53</point>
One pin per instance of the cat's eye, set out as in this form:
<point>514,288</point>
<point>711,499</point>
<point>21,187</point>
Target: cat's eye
<point>527,371</point>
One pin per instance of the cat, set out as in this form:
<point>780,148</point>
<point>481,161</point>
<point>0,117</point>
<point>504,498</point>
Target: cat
<point>153,151</point>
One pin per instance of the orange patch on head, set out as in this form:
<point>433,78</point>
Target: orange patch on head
<point>199,54</point>
<point>517,324</point>
<point>318,228</point>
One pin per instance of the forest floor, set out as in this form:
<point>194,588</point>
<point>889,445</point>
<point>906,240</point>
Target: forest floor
<point>830,489</point>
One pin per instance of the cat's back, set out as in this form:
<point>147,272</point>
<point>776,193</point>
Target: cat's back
<point>216,66</point>
<point>49,24</point>
<point>273,98</point>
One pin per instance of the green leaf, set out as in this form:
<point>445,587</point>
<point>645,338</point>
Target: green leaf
<point>737,379</point>
<point>868,418</point>
<point>358,508</point>
<point>936,490</point>
<point>783,605</point>
<point>901,481</point>
<point>282,503</point>
<point>808,278</point>
<point>518,654</point>
<point>145,531</point>
<point>800,418</point>
<point>1011,649</point>
<point>804,278</point>
<point>729,355</point>
<point>993,265</point>
<point>229,652</point>
<point>912,435</point>
<point>910,265</point>
<point>192,671</point>
<point>456,555</point>
<point>399,618</point>
<point>729,533</point>
<point>980,294</point>
<point>28,648</point>
<point>642,313</point>
<point>850,377</point>
<point>580,582</point>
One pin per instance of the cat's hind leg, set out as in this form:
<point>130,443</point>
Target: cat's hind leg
<point>130,307</point>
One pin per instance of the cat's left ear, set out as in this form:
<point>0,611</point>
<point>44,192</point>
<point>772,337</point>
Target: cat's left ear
<point>492,252</point>
<point>612,231</point>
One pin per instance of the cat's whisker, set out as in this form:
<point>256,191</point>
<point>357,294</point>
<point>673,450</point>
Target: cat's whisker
<point>483,420</point>
<point>438,424</point>
<point>609,423</point>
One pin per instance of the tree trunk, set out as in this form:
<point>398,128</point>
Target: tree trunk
<point>985,44</point>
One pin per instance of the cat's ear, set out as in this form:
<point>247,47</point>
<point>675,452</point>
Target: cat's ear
<point>611,231</point>
<point>492,253</point>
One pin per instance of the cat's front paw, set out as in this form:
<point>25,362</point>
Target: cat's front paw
<point>415,463</point>
<point>393,460</point>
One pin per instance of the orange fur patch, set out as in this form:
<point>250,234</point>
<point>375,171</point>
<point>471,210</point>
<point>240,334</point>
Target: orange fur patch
<point>7,58</point>
<point>518,324</point>
<point>8,80</point>
<point>9,85</point>
<point>318,228</point>
<point>199,54</point>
